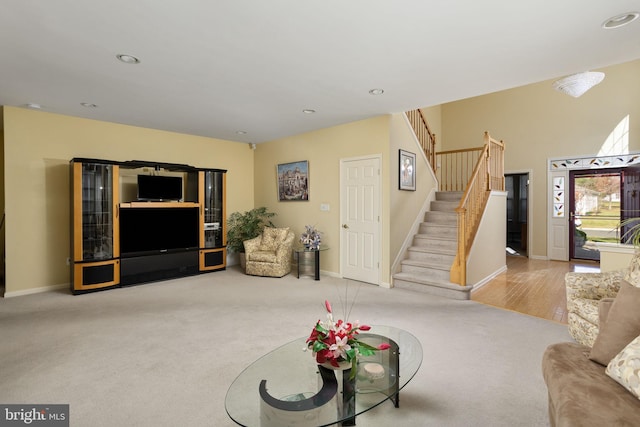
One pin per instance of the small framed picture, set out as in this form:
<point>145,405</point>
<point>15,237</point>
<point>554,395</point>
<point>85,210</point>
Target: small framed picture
<point>407,178</point>
<point>293,181</point>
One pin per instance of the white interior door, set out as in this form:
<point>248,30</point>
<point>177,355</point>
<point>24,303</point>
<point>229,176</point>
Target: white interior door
<point>360,219</point>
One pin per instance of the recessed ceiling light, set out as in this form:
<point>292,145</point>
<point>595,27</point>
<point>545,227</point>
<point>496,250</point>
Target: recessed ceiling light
<point>241,132</point>
<point>376,91</point>
<point>128,59</point>
<point>34,106</point>
<point>88,105</point>
<point>308,111</point>
<point>620,20</point>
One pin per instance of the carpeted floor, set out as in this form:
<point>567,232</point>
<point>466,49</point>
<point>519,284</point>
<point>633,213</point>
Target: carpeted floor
<point>164,354</point>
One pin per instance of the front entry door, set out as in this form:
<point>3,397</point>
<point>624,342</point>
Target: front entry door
<point>596,209</point>
<point>360,219</point>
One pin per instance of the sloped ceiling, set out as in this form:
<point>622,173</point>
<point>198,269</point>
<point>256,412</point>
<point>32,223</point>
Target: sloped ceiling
<point>214,68</point>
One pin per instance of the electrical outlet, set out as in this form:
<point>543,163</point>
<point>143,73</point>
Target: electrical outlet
<point>324,207</point>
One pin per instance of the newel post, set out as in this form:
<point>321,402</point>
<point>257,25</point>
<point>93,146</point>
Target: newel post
<point>460,275</point>
<point>487,154</point>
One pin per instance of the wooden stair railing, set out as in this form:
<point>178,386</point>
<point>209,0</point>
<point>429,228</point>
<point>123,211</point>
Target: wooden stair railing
<point>426,138</point>
<point>487,175</point>
<point>476,171</point>
<point>455,167</point>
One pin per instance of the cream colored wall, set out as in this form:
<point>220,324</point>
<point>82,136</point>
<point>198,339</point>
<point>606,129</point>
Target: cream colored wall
<point>323,149</point>
<point>38,147</point>
<point>407,207</point>
<point>488,257</point>
<point>615,256</point>
<point>538,123</point>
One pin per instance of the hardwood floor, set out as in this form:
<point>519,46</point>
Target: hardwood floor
<point>534,287</point>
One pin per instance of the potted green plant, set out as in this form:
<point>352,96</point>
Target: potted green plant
<point>630,228</point>
<point>245,226</point>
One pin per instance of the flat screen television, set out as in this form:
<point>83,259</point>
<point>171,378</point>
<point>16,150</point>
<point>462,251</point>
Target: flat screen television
<point>159,188</point>
<point>148,231</point>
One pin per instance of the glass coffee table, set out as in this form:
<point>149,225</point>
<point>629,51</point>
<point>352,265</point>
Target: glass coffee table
<point>287,388</point>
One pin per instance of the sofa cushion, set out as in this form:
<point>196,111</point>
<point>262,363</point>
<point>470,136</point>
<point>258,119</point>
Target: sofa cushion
<point>272,237</point>
<point>621,327</point>
<point>625,367</point>
<point>581,394</point>
<point>587,309</point>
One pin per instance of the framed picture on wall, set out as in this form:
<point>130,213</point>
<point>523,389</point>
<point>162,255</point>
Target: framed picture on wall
<point>407,178</point>
<point>293,181</point>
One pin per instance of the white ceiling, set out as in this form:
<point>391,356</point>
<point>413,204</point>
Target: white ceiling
<point>215,67</point>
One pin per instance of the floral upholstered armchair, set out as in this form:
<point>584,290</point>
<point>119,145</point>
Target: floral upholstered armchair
<point>270,253</point>
<point>587,291</point>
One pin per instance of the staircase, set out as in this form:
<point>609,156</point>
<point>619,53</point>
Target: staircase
<point>427,267</point>
<point>437,261</point>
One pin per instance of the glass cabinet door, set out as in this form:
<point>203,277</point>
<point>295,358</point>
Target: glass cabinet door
<point>213,209</point>
<point>97,212</point>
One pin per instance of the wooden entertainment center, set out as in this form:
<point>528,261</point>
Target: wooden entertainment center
<point>139,221</point>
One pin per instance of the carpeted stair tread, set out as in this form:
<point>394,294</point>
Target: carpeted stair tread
<point>444,206</point>
<point>431,286</point>
<point>425,280</point>
<point>426,264</point>
<point>449,195</point>
<point>427,249</point>
<point>431,236</point>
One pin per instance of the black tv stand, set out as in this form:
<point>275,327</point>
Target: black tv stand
<point>161,266</point>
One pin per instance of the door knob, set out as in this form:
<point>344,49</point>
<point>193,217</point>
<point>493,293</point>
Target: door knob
<point>345,226</point>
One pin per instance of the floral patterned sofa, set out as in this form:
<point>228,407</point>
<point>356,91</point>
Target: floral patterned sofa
<point>270,253</point>
<point>584,293</point>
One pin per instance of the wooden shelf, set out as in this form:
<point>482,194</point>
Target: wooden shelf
<point>159,205</point>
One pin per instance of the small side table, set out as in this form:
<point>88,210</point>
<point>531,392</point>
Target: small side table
<point>304,255</point>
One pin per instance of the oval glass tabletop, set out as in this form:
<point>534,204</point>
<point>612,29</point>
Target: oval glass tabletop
<point>287,387</point>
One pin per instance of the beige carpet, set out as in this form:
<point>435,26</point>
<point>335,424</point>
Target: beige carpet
<point>164,354</point>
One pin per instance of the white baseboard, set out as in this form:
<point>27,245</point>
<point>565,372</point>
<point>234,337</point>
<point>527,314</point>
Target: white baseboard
<point>329,273</point>
<point>339,276</point>
<point>489,278</point>
<point>35,290</point>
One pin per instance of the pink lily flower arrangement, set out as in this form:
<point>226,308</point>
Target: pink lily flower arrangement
<point>336,341</point>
